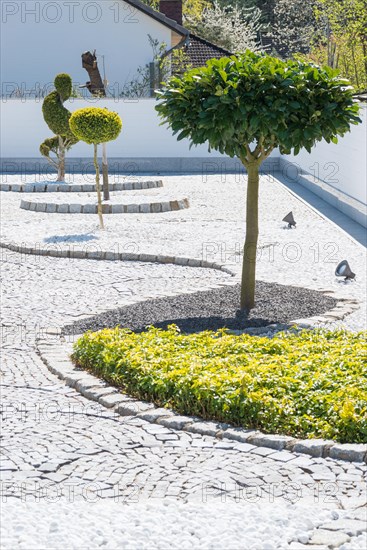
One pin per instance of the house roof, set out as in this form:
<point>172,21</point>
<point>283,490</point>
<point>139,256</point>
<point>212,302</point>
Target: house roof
<point>198,49</point>
<point>158,16</point>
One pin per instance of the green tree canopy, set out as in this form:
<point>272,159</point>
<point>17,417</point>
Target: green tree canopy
<point>234,102</point>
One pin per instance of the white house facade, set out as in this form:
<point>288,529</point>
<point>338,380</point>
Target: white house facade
<point>40,39</point>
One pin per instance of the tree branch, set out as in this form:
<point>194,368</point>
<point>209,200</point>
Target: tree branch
<point>52,162</point>
<point>250,154</point>
<point>259,147</point>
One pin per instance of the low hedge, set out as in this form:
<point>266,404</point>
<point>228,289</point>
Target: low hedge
<point>308,384</point>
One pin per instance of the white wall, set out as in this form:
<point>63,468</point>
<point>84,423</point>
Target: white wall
<point>23,130</point>
<point>40,39</point>
<point>343,165</point>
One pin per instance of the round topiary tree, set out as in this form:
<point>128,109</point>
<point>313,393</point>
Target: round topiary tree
<point>95,125</point>
<point>246,106</point>
<point>57,119</point>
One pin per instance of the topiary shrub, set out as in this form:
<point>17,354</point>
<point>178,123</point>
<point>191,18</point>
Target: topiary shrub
<point>63,85</point>
<point>96,125</point>
<point>57,119</point>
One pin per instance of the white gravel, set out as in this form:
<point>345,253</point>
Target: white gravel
<point>357,543</point>
<point>213,228</point>
<point>158,525</point>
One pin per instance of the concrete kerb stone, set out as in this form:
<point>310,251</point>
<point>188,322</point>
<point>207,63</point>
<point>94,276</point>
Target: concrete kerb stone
<point>175,422</point>
<point>77,188</point>
<point>277,442</point>
<point>356,452</point>
<point>144,208</point>
<point>93,388</point>
<point>111,256</point>
<point>90,208</point>
<point>214,429</point>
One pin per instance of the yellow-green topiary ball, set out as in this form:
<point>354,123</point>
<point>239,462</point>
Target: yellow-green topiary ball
<point>95,124</point>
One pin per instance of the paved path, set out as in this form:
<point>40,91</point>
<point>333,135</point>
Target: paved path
<point>57,444</point>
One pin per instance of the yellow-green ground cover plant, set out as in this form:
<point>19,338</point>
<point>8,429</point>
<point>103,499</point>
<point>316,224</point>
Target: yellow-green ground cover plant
<point>304,384</point>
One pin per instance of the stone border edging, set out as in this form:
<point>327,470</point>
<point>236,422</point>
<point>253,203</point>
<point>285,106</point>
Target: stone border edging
<point>77,188</point>
<point>77,208</point>
<point>56,358</point>
<point>343,308</point>
<point>113,256</point>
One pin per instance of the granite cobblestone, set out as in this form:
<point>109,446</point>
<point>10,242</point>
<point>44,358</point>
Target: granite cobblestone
<point>52,434</point>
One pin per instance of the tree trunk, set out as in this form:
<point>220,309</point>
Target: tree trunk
<point>106,190</point>
<point>355,66</point>
<point>252,233</point>
<point>364,49</point>
<point>61,159</point>
<point>99,207</point>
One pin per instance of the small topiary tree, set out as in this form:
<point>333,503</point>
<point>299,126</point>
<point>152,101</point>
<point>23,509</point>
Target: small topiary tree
<point>95,125</point>
<point>57,119</point>
<point>247,106</point>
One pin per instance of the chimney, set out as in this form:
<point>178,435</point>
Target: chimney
<point>172,9</point>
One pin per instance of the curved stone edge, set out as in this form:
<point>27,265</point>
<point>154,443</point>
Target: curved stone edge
<point>77,208</point>
<point>56,251</point>
<point>343,308</point>
<point>75,188</point>
<point>56,358</point>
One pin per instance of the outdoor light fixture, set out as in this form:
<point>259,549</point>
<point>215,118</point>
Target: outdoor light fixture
<point>343,270</point>
<point>289,219</point>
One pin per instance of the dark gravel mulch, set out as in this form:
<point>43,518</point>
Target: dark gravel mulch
<point>213,309</point>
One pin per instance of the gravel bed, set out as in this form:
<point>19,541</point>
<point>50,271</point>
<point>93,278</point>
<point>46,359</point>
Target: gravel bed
<point>162,524</point>
<point>214,309</point>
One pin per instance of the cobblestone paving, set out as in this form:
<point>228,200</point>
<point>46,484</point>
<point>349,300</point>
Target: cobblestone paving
<point>55,442</point>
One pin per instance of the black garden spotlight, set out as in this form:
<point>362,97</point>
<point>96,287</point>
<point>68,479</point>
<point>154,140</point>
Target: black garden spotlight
<point>343,270</point>
<point>289,219</point>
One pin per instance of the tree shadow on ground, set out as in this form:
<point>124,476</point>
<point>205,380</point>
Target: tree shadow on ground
<point>81,238</point>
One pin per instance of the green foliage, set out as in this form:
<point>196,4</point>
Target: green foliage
<point>95,125</point>
<point>64,86</point>
<point>49,145</point>
<point>57,116</point>
<point>343,42</point>
<point>308,384</point>
<point>233,102</point>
